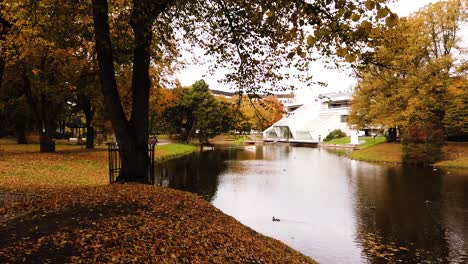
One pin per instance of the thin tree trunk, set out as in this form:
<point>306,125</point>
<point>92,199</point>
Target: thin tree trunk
<point>89,115</point>
<point>89,135</point>
<point>46,130</point>
<point>46,137</point>
<point>20,133</point>
<point>392,134</point>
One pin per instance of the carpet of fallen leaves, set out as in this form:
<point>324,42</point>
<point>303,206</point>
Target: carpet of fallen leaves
<point>59,208</point>
<point>127,223</point>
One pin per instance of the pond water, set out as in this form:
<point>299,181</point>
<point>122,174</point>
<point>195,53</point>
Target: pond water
<point>333,209</point>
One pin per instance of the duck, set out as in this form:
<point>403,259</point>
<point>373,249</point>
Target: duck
<point>275,219</point>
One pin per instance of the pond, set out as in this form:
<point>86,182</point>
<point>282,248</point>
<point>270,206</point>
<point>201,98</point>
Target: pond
<point>331,208</point>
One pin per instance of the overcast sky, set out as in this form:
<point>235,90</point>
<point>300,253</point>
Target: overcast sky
<point>336,81</point>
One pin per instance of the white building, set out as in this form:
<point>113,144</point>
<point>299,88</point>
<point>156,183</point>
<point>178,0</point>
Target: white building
<point>313,121</point>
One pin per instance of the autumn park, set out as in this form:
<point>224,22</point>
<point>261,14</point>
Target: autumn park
<point>181,131</point>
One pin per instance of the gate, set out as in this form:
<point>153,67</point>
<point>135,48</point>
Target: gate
<point>115,162</point>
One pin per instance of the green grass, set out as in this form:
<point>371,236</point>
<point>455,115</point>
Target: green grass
<point>339,141</point>
<point>369,141</point>
<point>241,139</point>
<point>169,151</point>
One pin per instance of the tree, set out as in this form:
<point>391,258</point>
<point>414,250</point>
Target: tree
<point>249,36</point>
<point>260,113</point>
<point>45,57</point>
<point>5,27</point>
<point>198,113</point>
<point>162,99</point>
<point>406,79</point>
<point>14,108</point>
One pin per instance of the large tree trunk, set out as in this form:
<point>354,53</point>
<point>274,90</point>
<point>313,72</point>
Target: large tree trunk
<point>46,142</point>
<point>20,130</point>
<point>132,135</point>
<point>392,134</point>
<point>89,137</point>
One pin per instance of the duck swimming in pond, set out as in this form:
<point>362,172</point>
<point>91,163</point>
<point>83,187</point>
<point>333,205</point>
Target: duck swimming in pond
<point>275,219</point>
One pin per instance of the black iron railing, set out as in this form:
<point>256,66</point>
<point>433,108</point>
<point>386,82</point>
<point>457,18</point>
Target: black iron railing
<point>115,162</point>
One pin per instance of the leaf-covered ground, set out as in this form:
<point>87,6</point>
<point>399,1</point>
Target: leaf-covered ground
<point>59,208</point>
<point>71,165</point>
<point>128,223</point>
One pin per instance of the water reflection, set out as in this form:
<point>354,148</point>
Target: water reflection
<point>331,208</point>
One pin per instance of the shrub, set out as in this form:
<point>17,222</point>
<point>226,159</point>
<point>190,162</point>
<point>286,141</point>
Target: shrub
<point>337,133</point>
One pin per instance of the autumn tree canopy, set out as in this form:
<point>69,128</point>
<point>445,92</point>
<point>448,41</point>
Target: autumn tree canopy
<point>255,41</point>
<point>413,80</point>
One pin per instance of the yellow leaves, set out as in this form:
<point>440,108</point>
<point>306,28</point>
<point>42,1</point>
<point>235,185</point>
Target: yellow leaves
<point>355,17</point>
<point>370,4</point>
<point>341,52</point>
<point>366,25</point>
<point>381,13</point>
<point>311,40</point>
<point>350,58</point>
<point>392,20</point>
<point>270,13</point>
<point>375,32</point>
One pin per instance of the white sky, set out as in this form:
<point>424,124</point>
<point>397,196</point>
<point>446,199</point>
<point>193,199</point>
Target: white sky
<point>337,81</point>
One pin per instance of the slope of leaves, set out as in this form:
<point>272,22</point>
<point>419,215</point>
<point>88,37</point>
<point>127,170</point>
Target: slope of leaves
<point>129,223</point>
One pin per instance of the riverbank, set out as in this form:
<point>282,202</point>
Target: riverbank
<point>59,207</point>
<point>345,142</point>
<point>454,154</point>
<point>226,140</point>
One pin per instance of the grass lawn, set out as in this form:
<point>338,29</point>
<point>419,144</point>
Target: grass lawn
<point>169,151</point>
<point>71,165</point>
<point>229,139</point>
<point>369,141</point>
<point>385,152</point>
<point>455,154</point>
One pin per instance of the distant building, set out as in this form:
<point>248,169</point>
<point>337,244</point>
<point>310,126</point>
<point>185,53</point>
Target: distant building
<point>283,98</point>
<point>286,98</point>
<point>222,93</point>
<point>313,121</point>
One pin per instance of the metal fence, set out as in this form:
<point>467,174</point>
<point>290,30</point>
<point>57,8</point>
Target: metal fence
<point>115,162</point>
